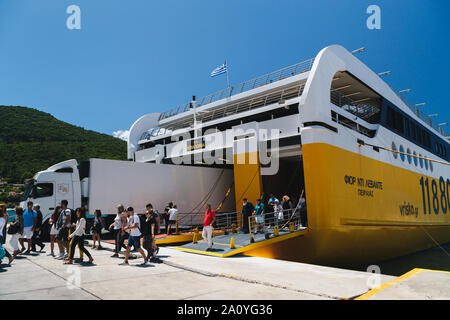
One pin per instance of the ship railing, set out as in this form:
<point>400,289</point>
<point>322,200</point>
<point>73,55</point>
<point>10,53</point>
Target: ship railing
<point>246,105</point>
<point>362,110</point>
<point>424,117</point>
<point>270,223</point>
<point>278,75</point>
<point>278,222</point>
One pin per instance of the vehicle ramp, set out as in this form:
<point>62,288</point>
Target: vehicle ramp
<point>223,244</point>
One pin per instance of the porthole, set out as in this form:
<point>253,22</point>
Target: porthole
<point>409,155</point>
<point>394,149</point>
<point>402,153</point>
<point>415,158</point>
<point>420,161</point>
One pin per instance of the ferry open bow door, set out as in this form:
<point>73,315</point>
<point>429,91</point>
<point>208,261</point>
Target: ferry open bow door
<point>246,164</point>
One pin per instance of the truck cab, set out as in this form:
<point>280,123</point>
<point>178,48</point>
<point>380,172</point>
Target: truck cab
<point>48,187</point>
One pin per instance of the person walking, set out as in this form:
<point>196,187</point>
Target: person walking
<point>63,224</point>
<point>167,216</point>
<point>210,218</point>
<point>36,238</point>
<point>29,222</point>
<point>278,213</point>
<point>173,212</point>
<point>78,237</point>
<point>287,205</point>
<point>155,231</point>
<point>15,229</point>
<point>135,236</point>
<point>97,229</point>
<point>54,232</point>
<point>3,222</point>
<point>259,216</point>
<point>247,210</point>
<point>116,228</point>
<point>270,215</point>
<point>147,229</point>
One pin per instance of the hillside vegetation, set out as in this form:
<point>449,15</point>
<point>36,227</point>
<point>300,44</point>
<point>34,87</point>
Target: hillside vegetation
<point>32,140</point>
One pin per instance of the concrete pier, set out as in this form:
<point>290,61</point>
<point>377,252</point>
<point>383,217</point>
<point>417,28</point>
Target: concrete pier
<point>185,275</point>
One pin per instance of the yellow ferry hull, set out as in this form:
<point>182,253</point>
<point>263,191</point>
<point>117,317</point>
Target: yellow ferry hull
<point>354,211</point>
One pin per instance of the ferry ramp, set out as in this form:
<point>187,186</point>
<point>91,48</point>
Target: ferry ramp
<point>230,241</point>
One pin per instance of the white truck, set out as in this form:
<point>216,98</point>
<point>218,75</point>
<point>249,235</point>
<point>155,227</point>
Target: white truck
<point>104,184</point>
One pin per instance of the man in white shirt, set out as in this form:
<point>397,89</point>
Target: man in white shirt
<point>173,212</point>
<point>135,236</point>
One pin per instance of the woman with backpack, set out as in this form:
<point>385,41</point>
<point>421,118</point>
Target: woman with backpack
<point>78,237</point>
<point>97,229</point>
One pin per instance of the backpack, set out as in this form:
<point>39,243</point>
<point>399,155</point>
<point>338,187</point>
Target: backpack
<point>59,222</point>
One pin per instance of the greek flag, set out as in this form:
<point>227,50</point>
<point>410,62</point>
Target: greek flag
<point>219,70</point>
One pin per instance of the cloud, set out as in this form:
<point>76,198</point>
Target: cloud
<point>122,134</point>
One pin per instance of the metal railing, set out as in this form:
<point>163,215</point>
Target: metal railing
<point>364,111</point>
<point>281,74</point>
<point>288,220</point>
<point>235,220</point>
<point>425,118</point>
<point>246,105</point>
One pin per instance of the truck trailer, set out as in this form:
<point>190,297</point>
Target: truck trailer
<point>99,184</point>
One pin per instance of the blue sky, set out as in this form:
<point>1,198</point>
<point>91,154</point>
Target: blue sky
<point>133,57</point>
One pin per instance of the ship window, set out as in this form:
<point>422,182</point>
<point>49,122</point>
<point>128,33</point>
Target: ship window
<point>426,164</point>
<point>408,151</point>
<point>354,96</point>
<point>415,158</point>
<point>402,153</point>
<point>420,160</point>
<point>390,117</point>
<point>413,131</point>
<point>399,122</point>
<point>394,148</point>
<point>407,128</point>
<point>431,166</point>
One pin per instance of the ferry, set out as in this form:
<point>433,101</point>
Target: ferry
<point>372,166</point>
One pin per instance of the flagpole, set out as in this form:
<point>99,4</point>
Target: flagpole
<point>228,79</point>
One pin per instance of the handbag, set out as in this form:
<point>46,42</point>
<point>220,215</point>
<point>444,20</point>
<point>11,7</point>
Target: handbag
<point>13,228</point>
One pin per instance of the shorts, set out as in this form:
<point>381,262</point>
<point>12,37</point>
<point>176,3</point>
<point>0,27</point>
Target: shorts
<point>171,221</point>
<point>53,230</point>
<point>27,233</point>
<point>63,234</point>
<point>97,229</point>
<point>259,219</point>
<point>134,241</point>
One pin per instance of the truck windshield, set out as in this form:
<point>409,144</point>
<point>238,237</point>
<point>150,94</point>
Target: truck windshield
<point>28,189</point>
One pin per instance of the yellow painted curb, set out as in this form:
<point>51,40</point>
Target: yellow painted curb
<point>367,295</point>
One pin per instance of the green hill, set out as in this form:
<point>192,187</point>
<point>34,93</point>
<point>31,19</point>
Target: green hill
<point>31,140</point>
